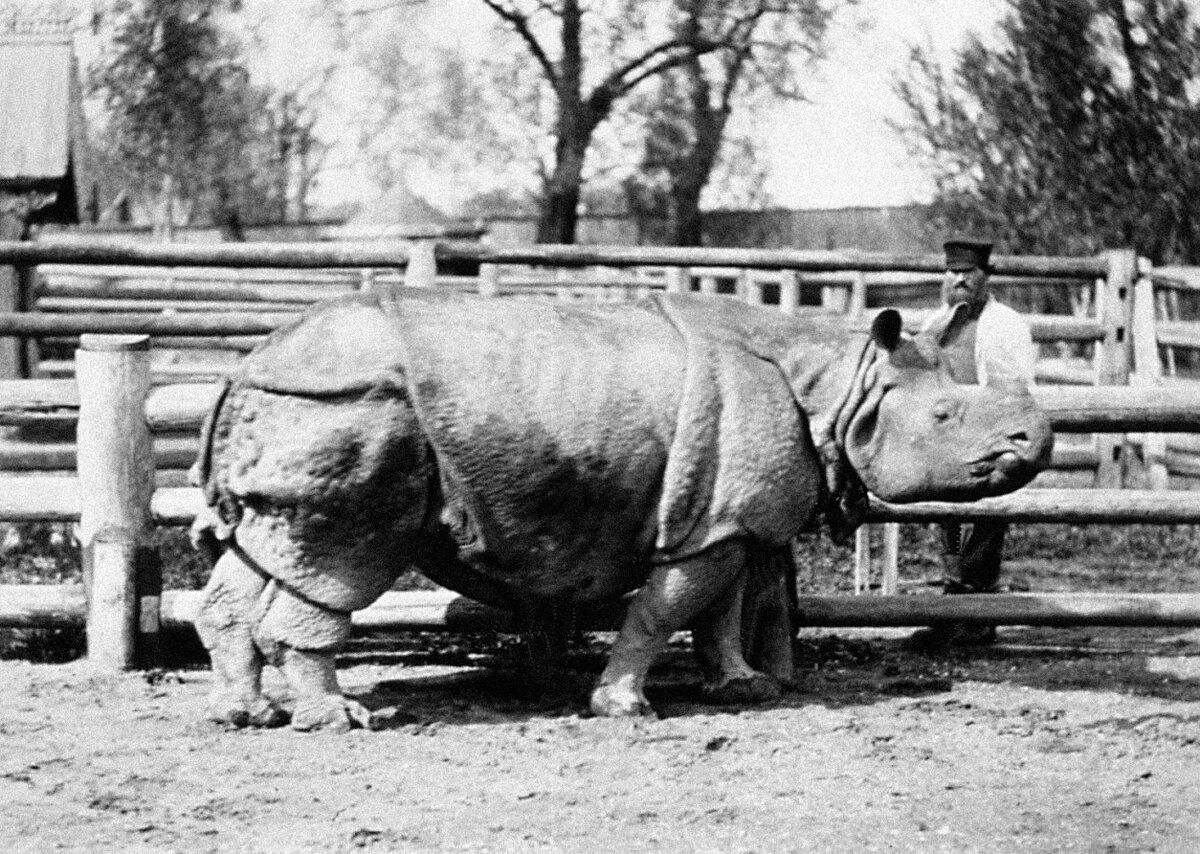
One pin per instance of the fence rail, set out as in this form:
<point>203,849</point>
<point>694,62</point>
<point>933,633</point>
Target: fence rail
<point>843,281</point>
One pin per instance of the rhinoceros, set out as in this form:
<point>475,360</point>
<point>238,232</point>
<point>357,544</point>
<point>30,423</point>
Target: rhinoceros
<point>531,453</point>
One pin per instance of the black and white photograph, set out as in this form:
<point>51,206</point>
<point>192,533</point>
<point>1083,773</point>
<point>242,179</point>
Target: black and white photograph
<point>716,426</point>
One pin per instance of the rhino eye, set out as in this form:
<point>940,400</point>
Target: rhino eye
<point>942,413</point>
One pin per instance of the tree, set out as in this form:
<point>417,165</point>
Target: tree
<point>565,38</point>
<point>765,48</point>
<point>184,122</point>
<point>1079,130</point>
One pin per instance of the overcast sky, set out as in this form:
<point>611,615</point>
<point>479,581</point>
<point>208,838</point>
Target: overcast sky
<point>838,150</point>
<point>835,151</point>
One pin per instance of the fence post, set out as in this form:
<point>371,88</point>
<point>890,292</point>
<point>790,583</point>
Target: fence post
<point>834,298</point>
<point>858,294</point>
<point>1115,356</point>
<point>421,271</point>
<point>862,559</point>
<point>489,280</point>
<point>789,291</point>
<point>678,280</point>
<point>1147,369</point>
<point>116,477</point>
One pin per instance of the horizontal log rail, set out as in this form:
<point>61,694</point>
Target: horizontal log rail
<point>1071,506</point>
<point>64,605</point>
<point>397,254</point>
<point>1173,408</point>
<point>183,323</point>
<point>179,506</point>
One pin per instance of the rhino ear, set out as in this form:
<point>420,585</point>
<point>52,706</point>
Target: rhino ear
<point>886,329</point>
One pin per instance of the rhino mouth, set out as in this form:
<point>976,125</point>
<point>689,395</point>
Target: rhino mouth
<point>1001,466</point>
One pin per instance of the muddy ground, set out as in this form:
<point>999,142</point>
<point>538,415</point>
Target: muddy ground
<point>1053,740</point>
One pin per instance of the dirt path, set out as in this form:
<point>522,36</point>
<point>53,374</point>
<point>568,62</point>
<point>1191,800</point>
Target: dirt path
<point>1063,740</point>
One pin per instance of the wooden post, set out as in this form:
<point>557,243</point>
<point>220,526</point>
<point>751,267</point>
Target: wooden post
<point>834,298</point>
<point>116,480</point>
<point>421,271</point>
<point>862,559</point>
<point>753,289</point>
<point>789,291</point>
<point>858,294</point>
<point>890,581</point>
<point>678,280</point>
<point>13,281</point>
<point>489,280</point>
<point>1115,355</point>
<point>1148,370</point>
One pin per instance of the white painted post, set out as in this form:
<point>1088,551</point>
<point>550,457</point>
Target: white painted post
<point>789,291</point>
<point>1148,370</point>
<point>421,271</point>
<point>862,559</point>
<point>116,479</point>
<point>489,280</point>
<point>890,582</point>
<point>858,294</point>
<point>678,280</point>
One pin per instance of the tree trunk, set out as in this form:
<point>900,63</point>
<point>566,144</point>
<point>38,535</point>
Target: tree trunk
<point>559,216</point>
<point>687,226</point>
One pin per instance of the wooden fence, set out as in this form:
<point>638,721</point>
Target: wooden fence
<point>131,429</point>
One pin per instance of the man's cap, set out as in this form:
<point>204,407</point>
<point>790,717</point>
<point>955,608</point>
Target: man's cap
<point>964,254</point>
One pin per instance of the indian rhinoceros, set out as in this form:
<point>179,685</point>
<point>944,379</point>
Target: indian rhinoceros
<point>528,452</point>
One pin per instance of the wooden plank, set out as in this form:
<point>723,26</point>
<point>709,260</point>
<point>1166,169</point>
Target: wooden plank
<point>396,254</point>
<point>191,323</point>
<point>444,610</point>
<point>39,498</point>
<point>1093,409</point>
<point>1024,609</point>
<point>1073,506</point>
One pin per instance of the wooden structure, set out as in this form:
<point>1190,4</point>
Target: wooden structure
<point>119,499</point>
<point>40,121</point>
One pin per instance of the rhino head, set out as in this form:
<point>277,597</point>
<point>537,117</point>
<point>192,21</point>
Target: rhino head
<point>905,431</point>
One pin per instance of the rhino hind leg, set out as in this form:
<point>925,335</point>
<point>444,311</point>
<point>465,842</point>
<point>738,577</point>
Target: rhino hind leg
<point>302,638</point>
<point>769,606</point>
<point>225,626</point>
<point>693,592</point>
<point>718,639</point>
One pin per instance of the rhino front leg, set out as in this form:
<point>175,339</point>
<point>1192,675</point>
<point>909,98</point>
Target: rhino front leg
<point>225,627</point>
<point>674,596</point>
<point>302,638</point>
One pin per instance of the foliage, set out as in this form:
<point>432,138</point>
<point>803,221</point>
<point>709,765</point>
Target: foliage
<point>1078,130</point>
<point>185,126</point>
<point>766,51</point>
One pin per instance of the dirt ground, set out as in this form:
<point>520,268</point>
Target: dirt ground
<point>1053,740</point>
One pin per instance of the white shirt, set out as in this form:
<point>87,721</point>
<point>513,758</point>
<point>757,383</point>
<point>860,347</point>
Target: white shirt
<point>1003,343</point>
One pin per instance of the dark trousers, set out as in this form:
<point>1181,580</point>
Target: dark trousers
<point>973,555</point>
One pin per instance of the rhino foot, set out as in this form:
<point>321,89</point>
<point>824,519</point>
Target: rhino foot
<point>240,712</point>
<point>748,690</point>
<point>331,712</point>
<point>616,701</point>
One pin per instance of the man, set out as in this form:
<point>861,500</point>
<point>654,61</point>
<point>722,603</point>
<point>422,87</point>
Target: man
<point>984,340</point>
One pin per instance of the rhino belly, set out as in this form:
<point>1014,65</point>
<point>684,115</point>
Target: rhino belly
<point>329,493</point>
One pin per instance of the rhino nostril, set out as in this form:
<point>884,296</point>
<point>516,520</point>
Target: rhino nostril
<point>1020,439</point>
